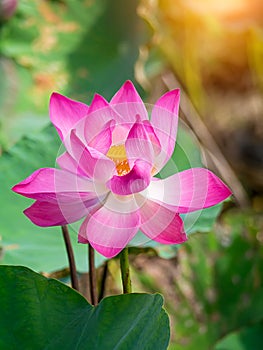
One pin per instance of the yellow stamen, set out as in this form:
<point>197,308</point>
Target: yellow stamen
<point>118,155</point>
<point>123,168</point>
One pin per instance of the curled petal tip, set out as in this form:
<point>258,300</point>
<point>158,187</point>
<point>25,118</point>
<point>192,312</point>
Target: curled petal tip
<point>135,181</point>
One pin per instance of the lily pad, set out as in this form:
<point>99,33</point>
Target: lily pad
<point>41,313</point>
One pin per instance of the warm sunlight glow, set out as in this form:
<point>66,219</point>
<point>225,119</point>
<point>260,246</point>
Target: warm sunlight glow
<point>218,7</point>
<point>224,9</point>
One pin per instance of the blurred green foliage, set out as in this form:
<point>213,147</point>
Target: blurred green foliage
<point>74,47</point>
<point>213,288</point>
<point>219,286</point>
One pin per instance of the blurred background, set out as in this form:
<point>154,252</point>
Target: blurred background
<point>213,51</point>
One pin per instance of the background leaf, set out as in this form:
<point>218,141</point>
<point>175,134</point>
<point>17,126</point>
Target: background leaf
<point>249,338</point>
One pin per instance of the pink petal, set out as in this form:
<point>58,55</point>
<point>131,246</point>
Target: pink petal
<point>54,214</point>
<point>161,224</point>
<point>135,181</point>
<point>65,113</point>
<point>66,162</point>
<point>50,185</point>
<point>128,103</point>
<point>97,103</point>
<point>93,163</point>
<point>100,113</point>
<point>111,228</point>
<point>82,239</point>
<point>102,142</point>
<point>138,144</point>
<point>108,252</point>
<point>164,120</point>
<point>120,133</point>
<point>189,190</point>
<point>152,136</point>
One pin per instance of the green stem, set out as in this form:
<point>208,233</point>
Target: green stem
<point>125,271</point>
<point>71,259</point>
<point>92,277</point>
<point>103,281</point>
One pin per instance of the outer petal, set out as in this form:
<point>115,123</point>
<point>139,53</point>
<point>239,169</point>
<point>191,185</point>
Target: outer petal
<point>50,185</point>
<point>189,190</point>
<point>161,224</point>
<point>93,163</point>
<point>164,120</point>
<point>55,214</point>
<point>135,181</point>
<point>110,228</point>
<point>65,113</point>
<point>128,103</point>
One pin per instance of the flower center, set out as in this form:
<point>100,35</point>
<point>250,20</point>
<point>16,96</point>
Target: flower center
<point>118,155</point>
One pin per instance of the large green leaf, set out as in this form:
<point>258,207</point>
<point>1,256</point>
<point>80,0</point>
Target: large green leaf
<point>250,338</point>
<point>41,313</point>
<point>23,243</point>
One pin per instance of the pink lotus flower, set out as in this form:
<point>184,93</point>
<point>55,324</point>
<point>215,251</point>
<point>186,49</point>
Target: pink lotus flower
<point>112,152</point>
